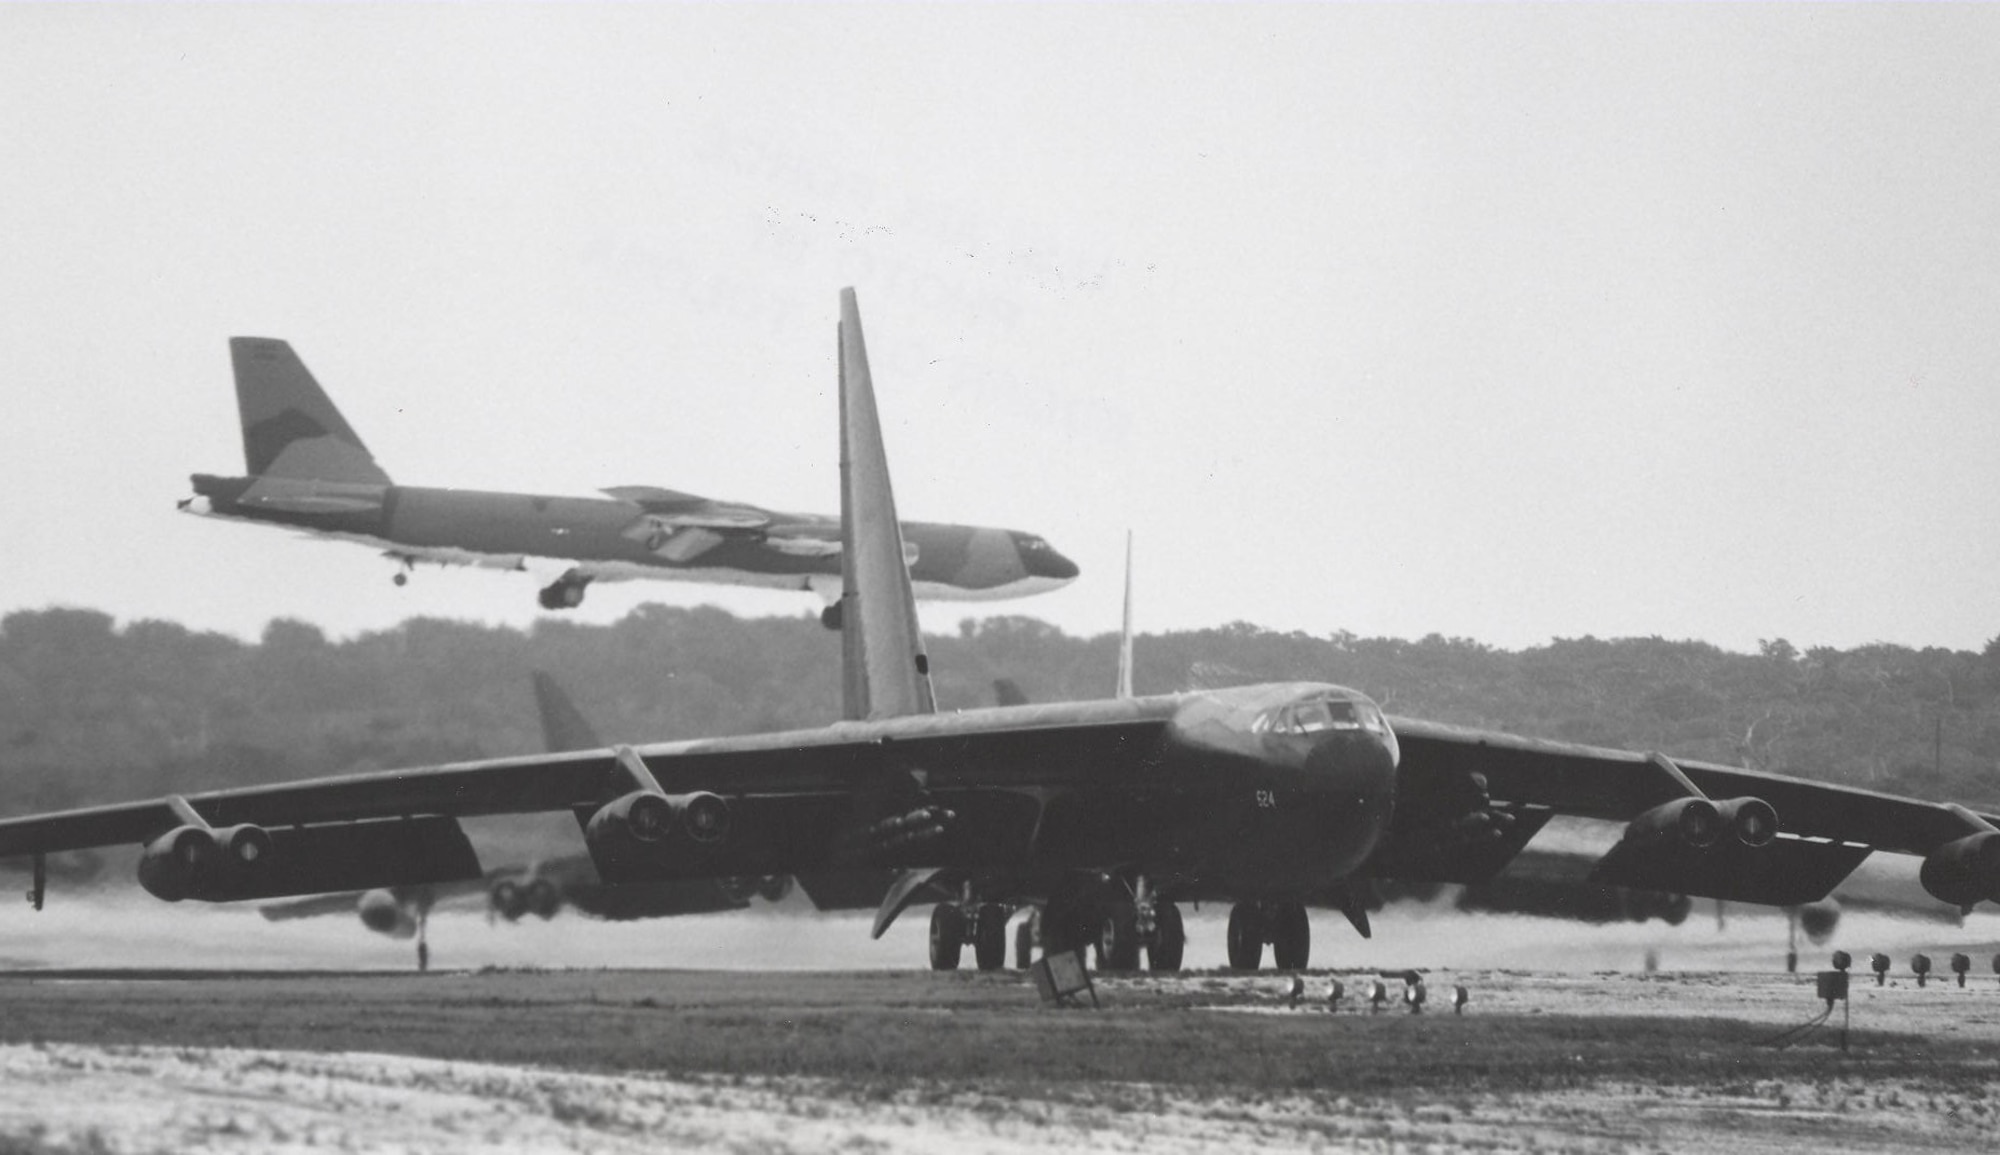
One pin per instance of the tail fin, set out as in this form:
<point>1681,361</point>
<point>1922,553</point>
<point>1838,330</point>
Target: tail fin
<point>884,670</point>
<point>290,428</point>
<point>1008,692</point>
<point>564,727</point>
<point>1125,631</point>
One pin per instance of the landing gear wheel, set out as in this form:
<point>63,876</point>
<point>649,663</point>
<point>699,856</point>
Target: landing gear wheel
<point>1066,926</point>
<point>401,578</point>
<point>989,937</point>
<point>947,936</point>
<point>1118,942</point>
<point>423,941</point>
<point>1246,936</point>
<point>1169,938</point>
<point>830,616</point>
<point>1291,936</point>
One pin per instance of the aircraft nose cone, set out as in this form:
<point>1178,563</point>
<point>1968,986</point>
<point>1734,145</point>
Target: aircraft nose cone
<point>1050,564</point>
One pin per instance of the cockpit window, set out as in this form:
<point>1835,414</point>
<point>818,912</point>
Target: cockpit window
<point>1320,715</point>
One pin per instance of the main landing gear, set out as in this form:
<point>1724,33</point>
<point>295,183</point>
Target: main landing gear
<point>423,941</point>
<point>564,593</point>
<point>1117,931</point>
<point>1282,924</point>
<point>954,924</point>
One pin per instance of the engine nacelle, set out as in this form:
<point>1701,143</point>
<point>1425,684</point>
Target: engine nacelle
<point>704,816</point>
<point>1964,872</point>
<point>641,816</point>
<point>544,898</point>
<point>1753,821</point>
<point>381,913</point>
<point>190,862</point>
<point>645,817</point>
<point>1819,920</point>
<point>244,847</point>
<point>1689,821</point>
<point>508,899</point>
<point>179,864</point>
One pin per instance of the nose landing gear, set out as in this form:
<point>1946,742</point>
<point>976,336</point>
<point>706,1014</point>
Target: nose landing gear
<point>984,925</point>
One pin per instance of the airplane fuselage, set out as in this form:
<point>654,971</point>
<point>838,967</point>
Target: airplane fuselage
<point>1207,790</point>
<point>609,540</point>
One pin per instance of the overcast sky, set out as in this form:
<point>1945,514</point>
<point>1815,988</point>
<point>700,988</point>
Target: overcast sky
<point>1508,323</point>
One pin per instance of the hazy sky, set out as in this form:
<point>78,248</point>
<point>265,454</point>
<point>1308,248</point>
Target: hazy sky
<point>1500,322</point>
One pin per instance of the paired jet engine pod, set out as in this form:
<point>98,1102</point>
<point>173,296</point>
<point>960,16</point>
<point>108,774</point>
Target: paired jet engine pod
<point>1964,872</point>
<point>512,898</point>
<point>1689,821</point>
<point>193,862</point>
<point>1699,823</point>
<point>645,817</point>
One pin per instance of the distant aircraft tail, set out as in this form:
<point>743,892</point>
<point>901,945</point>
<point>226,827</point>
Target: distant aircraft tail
<point>564,727</point>
<point>290,428</point>
<point>884,670</point>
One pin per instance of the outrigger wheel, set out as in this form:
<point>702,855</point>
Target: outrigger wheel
<point>989,937</point>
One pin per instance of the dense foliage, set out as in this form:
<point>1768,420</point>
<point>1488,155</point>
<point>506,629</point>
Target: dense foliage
<point>91,711</point>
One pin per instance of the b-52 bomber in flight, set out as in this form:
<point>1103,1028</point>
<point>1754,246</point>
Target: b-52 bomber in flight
<point>1104,814</point>
<point>309,471</point>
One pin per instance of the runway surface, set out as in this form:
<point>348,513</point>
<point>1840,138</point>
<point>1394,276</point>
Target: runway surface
<point>123,927</point>
<point>593,1060</point>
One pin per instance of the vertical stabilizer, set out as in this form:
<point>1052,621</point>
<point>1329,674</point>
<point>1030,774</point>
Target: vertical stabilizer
<point>1125,630</point>
<point>290,427</point>
<point>884,670</point>
<point>564,727</point>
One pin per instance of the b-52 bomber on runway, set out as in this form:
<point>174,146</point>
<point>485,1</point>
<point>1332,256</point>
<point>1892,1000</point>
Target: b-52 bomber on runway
<point>1104,814</point>
<point>309,471</point>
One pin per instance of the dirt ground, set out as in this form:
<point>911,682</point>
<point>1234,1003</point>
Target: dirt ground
<point>591,1060</point>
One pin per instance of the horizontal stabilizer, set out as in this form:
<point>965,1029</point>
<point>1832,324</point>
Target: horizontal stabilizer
<point>288,495</point>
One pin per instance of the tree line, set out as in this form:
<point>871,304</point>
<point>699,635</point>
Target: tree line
<point>94,711</point>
